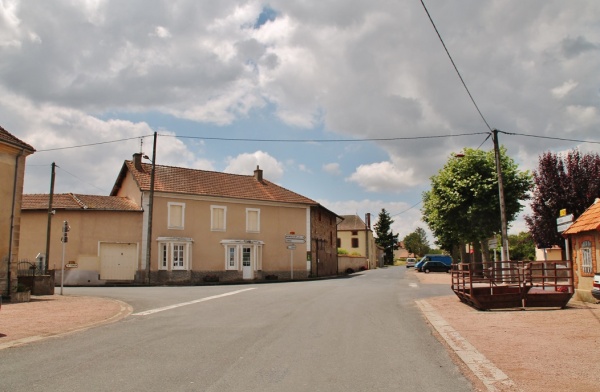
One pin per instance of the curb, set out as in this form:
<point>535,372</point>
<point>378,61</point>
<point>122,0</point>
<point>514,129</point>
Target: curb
<point>494,379</point>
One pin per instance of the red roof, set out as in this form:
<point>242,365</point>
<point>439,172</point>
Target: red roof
<point>6,137</point>
<point>588,221</point>
<point>70,201</point>
<point>207,183</point>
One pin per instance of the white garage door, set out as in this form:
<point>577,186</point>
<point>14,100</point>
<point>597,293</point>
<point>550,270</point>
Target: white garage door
<point>118,261</point>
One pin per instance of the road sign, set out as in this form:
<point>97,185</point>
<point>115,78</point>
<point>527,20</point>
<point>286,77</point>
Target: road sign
<point>291,247</point>
<point>295,239</point>
<point>493,243</point>
<point>564,219</point>
<point>564,226</point>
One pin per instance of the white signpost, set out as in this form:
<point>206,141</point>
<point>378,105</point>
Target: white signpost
<point>293,239</point>
<point>563,224</point>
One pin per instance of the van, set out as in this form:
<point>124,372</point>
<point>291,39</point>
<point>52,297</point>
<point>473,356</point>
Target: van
<point>443,258</point>
<point>410,262</point>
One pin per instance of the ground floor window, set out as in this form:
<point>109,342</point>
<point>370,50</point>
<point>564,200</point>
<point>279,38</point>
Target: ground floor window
<point>586,255</point>
<point>174,253</point>
<point>243,253</point>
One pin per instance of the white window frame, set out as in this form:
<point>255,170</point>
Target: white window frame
<point>252,229</point>
<point>166,253</point>
<point>212,218</point>
<point>255,246</point>
<point>231,257</point>
<point>587,265</point>
<point>169,209</point>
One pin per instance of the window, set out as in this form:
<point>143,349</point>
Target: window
<point>176,216</point>
<point>218,218</point>
<point>174,253</point>
<point>586,253</point>
<point>246,256</point>
<point>339,243</point>
<point>252,220</point>
<point>231,258</point>
<point>240,253</point>
<point>354,232</point>
<point>355,242</point>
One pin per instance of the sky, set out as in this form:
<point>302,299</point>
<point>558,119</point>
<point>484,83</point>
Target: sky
<point>353,104</point>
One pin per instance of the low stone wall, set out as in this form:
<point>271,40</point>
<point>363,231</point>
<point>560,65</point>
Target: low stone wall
<point>354,263</point>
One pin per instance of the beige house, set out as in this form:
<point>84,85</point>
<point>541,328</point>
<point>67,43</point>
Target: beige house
<point>205,226</point>
<point>103,243</point>
<point>356,237</point>
<point>584,236</point>
<point>12,172</point>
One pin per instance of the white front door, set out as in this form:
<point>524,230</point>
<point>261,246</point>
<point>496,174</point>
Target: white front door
<point>247,271</point>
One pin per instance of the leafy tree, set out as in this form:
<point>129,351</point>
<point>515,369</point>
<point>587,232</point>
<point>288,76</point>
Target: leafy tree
<point>463,204</point>
<point>570,182</point>
<point>416,242</point>
<point>385,236</point>
<point>521,246</point>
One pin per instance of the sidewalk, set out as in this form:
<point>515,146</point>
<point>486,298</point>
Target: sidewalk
<point>53,315</point>
<point>536,349</point>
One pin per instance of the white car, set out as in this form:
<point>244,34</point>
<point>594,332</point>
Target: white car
<point>410,262</point>
<point>596,288</point>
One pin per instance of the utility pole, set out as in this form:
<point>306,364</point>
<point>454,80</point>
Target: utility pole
<point>150,209</point>
<point>50,213</point>
<point>504,228</point>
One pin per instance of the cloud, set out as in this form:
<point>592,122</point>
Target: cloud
<point>246,164</point>
<point>332,168</point>
<point>383,177</point>
<point>564,89</point>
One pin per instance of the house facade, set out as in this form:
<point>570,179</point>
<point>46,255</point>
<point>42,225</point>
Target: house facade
<point>584,238</point>
<point>13,153</point>
<point>356,237</point>
<point>209,225</point>
<point>103,243</point>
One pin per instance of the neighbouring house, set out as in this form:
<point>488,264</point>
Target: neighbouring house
<point>204,226</point>
<point>103,243</point>
<point>584,237</point>
<point>553,253</point>
<point>402,252</point>
<point>356,237</point>
<point>13,153</point>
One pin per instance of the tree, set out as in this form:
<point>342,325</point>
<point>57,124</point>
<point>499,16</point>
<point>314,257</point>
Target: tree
<point>385,236</point>
<point>570,182</point>
<point>521,246</point>
<point>416,242</point>
<point>463,204</point>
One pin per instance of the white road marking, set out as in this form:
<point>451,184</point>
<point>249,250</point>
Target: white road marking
<point>152,311</point>
<point>413,285</point>
<point>493,378</point>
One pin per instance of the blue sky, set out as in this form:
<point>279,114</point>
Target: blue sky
<point>87,72</point>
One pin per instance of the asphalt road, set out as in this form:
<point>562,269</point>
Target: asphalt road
<point>362,333</point>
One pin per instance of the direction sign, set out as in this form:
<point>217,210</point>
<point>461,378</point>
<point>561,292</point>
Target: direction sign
<point>493,243</point>
<point>291,247</point>
<point>564,219</point>
<point>563,226</point>
<point>295,239</point>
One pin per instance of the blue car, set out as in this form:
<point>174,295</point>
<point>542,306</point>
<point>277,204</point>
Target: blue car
<point>442,258</point>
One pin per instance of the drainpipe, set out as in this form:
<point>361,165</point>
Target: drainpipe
<point>12,220</point>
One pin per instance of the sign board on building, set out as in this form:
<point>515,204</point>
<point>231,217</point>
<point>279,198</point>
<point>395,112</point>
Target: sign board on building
<point>295,239</point>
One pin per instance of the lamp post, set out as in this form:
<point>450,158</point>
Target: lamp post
<point>504,227</point>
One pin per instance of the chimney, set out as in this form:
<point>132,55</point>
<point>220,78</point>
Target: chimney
<point>258,174</point>
<point>137,161</point>
<point>368,220</point>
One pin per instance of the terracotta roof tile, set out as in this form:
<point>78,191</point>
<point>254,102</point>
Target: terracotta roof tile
<point>70,201</point>
<point>351,222</point>
<point>208,183</point>
<point>5,136</point>
<point>588,221</point>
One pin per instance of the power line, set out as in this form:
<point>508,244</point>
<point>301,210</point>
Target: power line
<point>324,140</point>
<point>408,209</point>
<point>63,169</point>
<point>92,144</point>
<point>455,67</point>
<point>551,138</point>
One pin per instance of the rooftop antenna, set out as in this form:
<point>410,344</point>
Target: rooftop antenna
<point>141,145</point>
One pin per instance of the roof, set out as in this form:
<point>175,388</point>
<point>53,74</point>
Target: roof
<point>71,201</point>
<point>7,138</point>
<point>208,183</point>
<point>588,221</point>
<point>352,222</point>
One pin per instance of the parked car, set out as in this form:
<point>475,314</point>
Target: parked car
<point>410,262</point>
<point>435,266</point>
<point>596,287</point>
<point>442,258</point>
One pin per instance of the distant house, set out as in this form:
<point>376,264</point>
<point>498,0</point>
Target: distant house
<point>205,226</point>
<point>103,242</point>
<point>402,252</point>
<point>356,237</point>
<point>584,235</point>
<point>12,173</point>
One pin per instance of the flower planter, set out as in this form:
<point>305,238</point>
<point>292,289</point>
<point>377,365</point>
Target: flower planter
<point>20,296</point>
